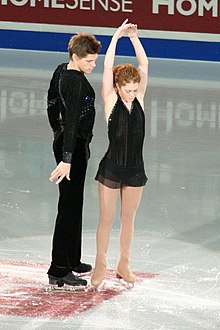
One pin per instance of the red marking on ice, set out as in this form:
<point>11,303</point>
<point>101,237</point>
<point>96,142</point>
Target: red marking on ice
<point>23,292</point>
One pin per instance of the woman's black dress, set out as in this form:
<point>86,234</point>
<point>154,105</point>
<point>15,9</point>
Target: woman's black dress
<point>123,164</point>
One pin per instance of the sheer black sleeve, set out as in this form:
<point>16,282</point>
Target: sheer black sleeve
<point>71,93</point>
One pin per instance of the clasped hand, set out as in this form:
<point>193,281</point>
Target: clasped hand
<point>128,29</point>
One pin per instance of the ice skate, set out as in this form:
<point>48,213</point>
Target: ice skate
<point>82,268</point>
<point>71,281</point>
<point>99,273</point>
<point>124,273</point>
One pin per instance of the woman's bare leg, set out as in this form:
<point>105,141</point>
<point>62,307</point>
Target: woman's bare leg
<point>130,201</point>
<point>108,200</point>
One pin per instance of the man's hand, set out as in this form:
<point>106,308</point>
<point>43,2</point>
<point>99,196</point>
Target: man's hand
<point>61,171</point>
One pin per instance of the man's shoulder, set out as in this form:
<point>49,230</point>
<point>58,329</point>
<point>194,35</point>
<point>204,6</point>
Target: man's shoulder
<point>60,68</point>
<point>73,77</point>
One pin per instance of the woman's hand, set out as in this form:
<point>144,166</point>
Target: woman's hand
<point>123,29</point>
<point>132,31</point>
<point>61,171</point>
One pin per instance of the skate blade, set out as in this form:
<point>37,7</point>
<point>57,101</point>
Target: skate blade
<point>126,284</point>
<point>75,289</point>
<point>99,288</point>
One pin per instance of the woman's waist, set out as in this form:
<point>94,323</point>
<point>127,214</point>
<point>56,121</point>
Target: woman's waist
<point>137,163</point>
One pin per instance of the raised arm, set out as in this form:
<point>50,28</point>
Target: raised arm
<point>141,58</point>
<point>107,83</point>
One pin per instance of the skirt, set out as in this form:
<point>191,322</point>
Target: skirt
<point>117,176</point>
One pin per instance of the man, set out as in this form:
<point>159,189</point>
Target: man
<point>71,115</point>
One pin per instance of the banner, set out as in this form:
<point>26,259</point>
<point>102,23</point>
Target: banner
<point>200,16</point>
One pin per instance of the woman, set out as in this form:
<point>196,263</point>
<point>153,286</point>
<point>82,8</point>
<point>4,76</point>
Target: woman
<point>121,171</point>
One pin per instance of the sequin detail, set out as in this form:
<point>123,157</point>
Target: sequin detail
<point>88,105</point>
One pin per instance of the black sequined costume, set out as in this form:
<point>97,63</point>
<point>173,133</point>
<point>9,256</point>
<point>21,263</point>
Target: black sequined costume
<point>123,163</point>
<point>72,123</point>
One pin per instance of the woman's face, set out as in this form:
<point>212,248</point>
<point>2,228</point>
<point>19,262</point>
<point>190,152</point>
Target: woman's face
<point>128,91</point>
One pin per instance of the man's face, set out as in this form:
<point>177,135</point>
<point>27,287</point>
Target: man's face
<point>88,63</point>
